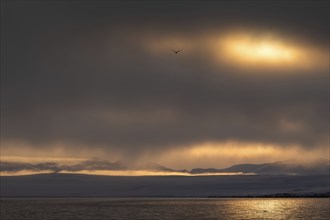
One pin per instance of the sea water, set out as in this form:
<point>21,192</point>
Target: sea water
<point>161,209</point>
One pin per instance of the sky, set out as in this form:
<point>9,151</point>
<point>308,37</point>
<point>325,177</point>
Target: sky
<point>99,79</point>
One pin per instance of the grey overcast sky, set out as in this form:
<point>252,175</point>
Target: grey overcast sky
<point>99,79</point>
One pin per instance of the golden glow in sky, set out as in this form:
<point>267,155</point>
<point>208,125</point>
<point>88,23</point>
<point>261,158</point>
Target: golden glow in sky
<point>248,50</point>
<point>224,154</point>
<point>208,154</point>
<point>260,51</point>
<point>267,51</point>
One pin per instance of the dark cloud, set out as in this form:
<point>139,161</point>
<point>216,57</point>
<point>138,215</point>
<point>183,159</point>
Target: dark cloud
<point>79,73</point>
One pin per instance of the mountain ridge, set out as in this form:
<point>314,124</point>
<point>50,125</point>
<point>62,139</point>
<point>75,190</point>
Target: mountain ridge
<point>275,168</point>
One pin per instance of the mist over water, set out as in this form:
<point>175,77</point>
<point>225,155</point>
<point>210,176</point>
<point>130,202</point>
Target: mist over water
<point>161,209</point>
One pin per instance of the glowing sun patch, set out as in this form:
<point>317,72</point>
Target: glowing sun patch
<point>259,51</point>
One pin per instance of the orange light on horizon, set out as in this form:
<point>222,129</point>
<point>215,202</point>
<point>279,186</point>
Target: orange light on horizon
<point>121,173</point>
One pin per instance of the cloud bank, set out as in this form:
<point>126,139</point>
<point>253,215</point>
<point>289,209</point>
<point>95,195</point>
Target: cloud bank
<point>98,78</point>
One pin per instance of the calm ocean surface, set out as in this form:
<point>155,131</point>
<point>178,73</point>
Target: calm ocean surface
<point>171,209</point>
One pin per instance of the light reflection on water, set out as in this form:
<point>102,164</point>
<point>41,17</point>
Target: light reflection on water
<point>164,209</point>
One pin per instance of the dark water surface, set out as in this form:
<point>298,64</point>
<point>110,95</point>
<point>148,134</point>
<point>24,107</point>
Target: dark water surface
<point>171,209</point>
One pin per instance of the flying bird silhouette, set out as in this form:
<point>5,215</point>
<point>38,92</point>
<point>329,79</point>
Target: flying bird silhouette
<point>175,51</point>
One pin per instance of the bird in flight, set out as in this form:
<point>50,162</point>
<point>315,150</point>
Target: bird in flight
<point>176,51</point>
